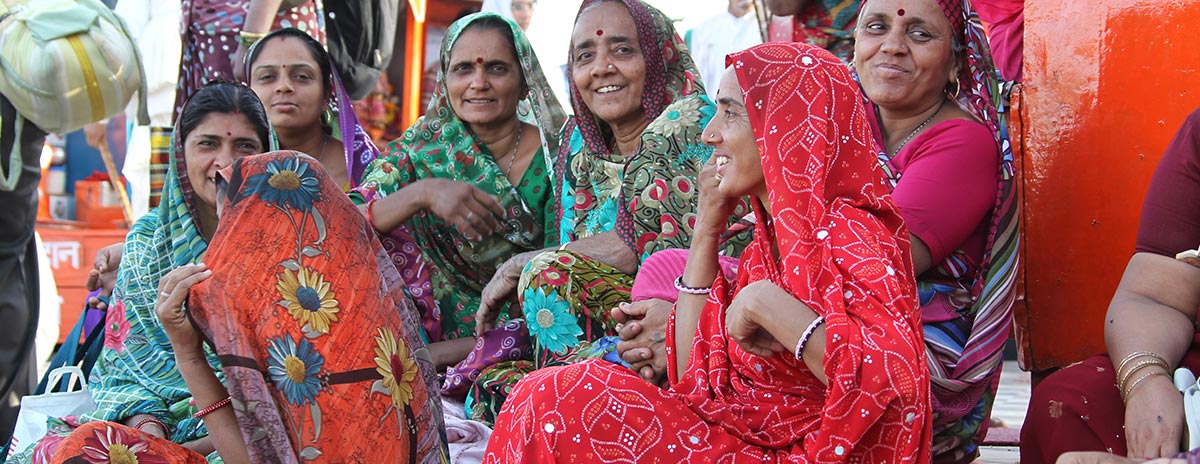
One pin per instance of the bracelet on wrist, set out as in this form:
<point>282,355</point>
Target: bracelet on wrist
<point>812,327</point>
<point>1138,354</point>
<point>679,285</point>
<point>247,39</point>
<point>153,420</point>
<point>214,407</point>
<point>1123,377</point>
<point>1129,390</point>
<point>371,215</point>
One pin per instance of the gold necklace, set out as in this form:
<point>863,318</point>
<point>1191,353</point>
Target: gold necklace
<point>513,156</point>
<point>917,129</point>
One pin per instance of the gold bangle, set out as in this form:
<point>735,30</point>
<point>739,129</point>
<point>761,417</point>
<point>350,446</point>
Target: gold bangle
<point>249,38</point>
<point>1125,393</point>
<point>1138,354</point>
<point>1123,377</point>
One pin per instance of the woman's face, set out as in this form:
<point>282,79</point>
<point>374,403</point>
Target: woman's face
<point>522,11</point>
<point>609,68</point>
<point>214,144</point>
<point>288,81</point>
<point>903,53</point>
<point>735,149</point>
<point>484,81</point>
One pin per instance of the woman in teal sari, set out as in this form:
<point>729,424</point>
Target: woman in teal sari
<point>135,382</point>
<point>470,180</point>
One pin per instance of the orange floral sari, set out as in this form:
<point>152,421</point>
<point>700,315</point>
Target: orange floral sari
<point>319,345</point>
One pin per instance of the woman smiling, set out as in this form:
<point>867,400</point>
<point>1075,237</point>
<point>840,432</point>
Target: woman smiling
<point>469,181</point>
<point>625,176</point>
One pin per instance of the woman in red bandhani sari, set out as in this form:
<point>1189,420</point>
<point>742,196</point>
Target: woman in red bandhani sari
<point>814,353</point>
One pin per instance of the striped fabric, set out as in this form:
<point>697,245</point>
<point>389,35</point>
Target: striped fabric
<point>160,161</point>
<point>965,354</point>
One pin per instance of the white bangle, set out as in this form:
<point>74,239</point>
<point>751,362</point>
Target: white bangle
<point>690,290</point>
<point>812,327</point>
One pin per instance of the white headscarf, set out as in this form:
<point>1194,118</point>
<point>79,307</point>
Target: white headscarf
<point>501,7</point>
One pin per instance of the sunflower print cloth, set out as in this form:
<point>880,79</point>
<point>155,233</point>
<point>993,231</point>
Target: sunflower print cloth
<point>109,442</point>
<point>321,348</point>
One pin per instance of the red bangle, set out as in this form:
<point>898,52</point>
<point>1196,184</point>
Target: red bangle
<point>214,407</point>
<point>371,215</point>
<point>155,421</point>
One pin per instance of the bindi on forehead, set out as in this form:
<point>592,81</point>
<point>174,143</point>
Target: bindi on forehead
<point>599,32</point>
<point>479,60</point>
<point>900,12</point>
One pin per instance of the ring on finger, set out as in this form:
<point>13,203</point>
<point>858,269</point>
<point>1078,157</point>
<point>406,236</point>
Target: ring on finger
<point>164,294</point>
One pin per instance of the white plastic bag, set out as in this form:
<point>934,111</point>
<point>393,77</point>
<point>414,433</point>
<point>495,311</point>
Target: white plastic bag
<point>36,410</point>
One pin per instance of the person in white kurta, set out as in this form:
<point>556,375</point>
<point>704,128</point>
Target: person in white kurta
<point>156,26</point>
<point>734,30</point>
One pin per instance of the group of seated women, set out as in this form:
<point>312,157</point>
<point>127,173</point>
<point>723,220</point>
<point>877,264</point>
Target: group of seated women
<point>816,267</point>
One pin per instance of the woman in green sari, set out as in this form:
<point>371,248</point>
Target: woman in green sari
<point>468,186</point>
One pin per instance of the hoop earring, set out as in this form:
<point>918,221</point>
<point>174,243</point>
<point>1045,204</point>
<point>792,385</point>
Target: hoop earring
<point>957,90</point>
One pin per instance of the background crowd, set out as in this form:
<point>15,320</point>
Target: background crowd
<point>801,250</point>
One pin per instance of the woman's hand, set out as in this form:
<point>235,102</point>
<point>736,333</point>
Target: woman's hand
<point>741,320</point>
<point>501,289</point>
<point>713,208</point>
<point>203,445</point>
<point>1153,418</point>
<point>172,292</point>
<point>474,213</point>
<point>642,326</point>
<point>103,275</point>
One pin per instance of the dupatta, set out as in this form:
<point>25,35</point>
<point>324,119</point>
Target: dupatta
<point>321,347</point>
<point>356,144</point>
<point>649,197</point>
<point>965,364</point>
<point>440,145</point>
<point>136,369</point>
<point>843,252</point>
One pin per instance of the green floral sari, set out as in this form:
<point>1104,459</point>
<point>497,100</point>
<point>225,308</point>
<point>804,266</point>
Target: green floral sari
<point>440,145</point>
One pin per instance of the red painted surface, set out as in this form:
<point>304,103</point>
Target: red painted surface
<point>1107,83</point>
<point>72,252</point>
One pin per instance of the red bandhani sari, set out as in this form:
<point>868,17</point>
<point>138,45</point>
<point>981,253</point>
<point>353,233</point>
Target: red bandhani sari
<point>844,254</point>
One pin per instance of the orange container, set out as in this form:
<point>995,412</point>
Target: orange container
<point>71,253</point>
<point>1108,83</point>
<point>97,205</point>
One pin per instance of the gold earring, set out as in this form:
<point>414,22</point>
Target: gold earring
<point>957,89</point>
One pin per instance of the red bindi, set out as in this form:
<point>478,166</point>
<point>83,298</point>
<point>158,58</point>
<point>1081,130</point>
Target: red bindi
<point>479,60</point>
<point>229,134</point>
<point>599,32</point>
<point>900,12</point>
